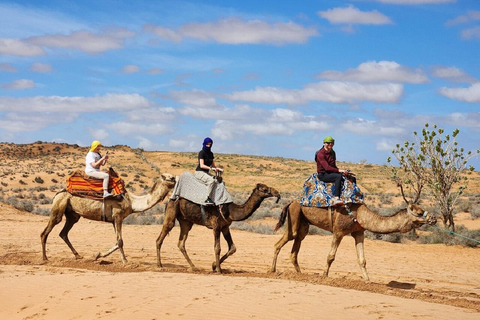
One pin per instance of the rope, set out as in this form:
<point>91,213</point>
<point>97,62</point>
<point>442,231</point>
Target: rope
<point>456,234</point>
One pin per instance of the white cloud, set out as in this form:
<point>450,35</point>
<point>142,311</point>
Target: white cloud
<point>328,91</point>
<point>85,41</point>
<point>385,145</point>
<point>196,98</point>
<point>27,122</point>
<point>373,71</point>
<point>128,128</point>
<point>98,133</point>
<point>470,94</point>
<point>19,48</point>
<point>471,33</point>
<point>452,74</point>
<point>20,84</point>
<point>108,102</point>
<point>131,68</point>
<point>41,67</point>
<point>471,16</point>
<point>470,120</point>
<point>7,67</point>
<point>371,127</point>
<point>352,15</point>
<point>237,31</point>
<point>416,1</point>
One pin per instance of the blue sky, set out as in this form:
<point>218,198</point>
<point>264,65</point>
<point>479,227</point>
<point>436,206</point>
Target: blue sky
<point>266,77</point>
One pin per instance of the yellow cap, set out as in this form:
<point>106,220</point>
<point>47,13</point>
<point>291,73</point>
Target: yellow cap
<point>95,144</point>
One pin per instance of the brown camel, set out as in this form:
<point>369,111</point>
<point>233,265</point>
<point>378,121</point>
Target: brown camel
<point>188,213</point>
<point>109,210</point>
<point>338,221</point>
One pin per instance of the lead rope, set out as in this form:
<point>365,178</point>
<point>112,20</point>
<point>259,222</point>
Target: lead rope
<point>456,234</point>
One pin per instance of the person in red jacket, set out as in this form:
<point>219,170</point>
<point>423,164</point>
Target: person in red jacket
<point>327,170</point>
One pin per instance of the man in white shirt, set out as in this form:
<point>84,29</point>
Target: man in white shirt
<point>94,161</point>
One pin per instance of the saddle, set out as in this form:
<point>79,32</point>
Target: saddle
<point>80,184</point>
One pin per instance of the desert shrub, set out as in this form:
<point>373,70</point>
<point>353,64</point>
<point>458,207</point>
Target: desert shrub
<point>391,237</point>
<point>38,189</point>
<point>22,182</point>
<point>475,212</point>
<point>4,184</point>
<point>41,211</point>
<point>54,180</point>
<point>316,230</point>
<point>257,228</point>
<point>39,180</point>
<point>143,219</point>
<point>24,205</point>
<point>459,237</point>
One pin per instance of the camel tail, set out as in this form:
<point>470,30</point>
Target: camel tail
<point>283,217</point>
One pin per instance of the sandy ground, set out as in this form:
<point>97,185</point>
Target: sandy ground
<point>408,281</point>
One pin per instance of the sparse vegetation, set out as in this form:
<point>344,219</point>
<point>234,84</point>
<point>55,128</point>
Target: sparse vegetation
<point>29,184</point>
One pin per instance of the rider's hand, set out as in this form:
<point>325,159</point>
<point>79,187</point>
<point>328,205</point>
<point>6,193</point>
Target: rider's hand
<point>218,169</point>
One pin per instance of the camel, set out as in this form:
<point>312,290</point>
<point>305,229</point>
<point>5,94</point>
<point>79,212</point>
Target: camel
<point>341,222</point>
<point>188,213</point>
<point>108,210</point>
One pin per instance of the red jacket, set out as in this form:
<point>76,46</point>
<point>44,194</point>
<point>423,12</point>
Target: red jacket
<point>326,161</point>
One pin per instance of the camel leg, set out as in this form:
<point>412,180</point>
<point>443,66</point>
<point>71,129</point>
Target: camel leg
<point>217,249</point>
<point>117,224</point>
<point>231,246</point>
<point>359,236</point>
<point>55,218</point>
<point>287,236</point>
<point>301,234</point>
<point>71,218</point>
<point>185,227</point>
<point>167,227</point>
<point>333,250</point>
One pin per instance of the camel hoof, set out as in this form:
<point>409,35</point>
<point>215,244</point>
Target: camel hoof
<point>194,269</point>
<point>98,255</point>
<point>78,257</point>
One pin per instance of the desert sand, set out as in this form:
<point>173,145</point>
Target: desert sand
<point>408,281</point>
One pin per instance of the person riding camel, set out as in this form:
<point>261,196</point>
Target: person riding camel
<point>93,162</point>
<point>206,163</point>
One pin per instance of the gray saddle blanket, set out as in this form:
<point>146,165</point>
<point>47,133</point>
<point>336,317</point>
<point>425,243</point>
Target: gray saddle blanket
<point>192,189</point>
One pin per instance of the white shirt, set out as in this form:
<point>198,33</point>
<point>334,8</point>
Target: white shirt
<point>89,159</point>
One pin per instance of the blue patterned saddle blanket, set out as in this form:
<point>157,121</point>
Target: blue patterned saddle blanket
<point>317,193</point>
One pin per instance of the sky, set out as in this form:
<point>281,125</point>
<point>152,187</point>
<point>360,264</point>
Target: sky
<point>269,78</point>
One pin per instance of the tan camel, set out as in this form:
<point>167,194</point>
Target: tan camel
<point>188,213</point>
<point>109,210</point>
<point>338,221</point>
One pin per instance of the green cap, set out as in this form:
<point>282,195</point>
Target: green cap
<point>328,139</point>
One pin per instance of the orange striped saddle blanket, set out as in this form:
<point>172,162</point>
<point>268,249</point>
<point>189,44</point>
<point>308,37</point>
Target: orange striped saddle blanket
<point>82,185</point>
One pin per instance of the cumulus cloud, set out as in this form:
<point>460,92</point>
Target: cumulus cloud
<point>237,31</point>
<point>381,71</point>
<point>27,122</point>
<point>108,102</point>
<point>470,16</point>
<point>471,33</point>
<point>129,128</point>
<point>85,41</point>
<point>195,98</point>
<point>20,84</point>
<point>328,91</point>
<point>352,15</point>
<point>452,74</point>
<point>416,1</point>
<point>7,67</point>
<point>371,127</point>
<point>470,94</point>
<point>41,67</point>
<point>20,48</point>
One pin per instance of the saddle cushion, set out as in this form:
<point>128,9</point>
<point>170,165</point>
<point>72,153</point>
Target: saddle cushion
<point>190,188</point>
<point>82,185</point>
<point>317,193</point>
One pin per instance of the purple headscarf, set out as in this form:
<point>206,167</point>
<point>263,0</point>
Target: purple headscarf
<point>207,140</point>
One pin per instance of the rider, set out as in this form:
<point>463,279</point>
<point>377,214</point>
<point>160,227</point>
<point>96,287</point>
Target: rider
<point>327,170</point>
<point>93,162</point>
<point>206,163</point>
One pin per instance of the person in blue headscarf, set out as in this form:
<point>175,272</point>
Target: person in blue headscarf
<point>206,163</point>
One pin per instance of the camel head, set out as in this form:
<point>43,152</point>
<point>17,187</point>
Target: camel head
<point>168,180</point>
<point>421,216</point>
<point>265,191</point>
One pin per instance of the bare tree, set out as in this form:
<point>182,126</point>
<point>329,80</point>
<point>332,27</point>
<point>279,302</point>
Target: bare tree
<point>434,162</point>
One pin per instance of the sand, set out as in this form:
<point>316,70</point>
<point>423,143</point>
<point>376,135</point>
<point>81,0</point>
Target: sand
<point>408,281</point>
